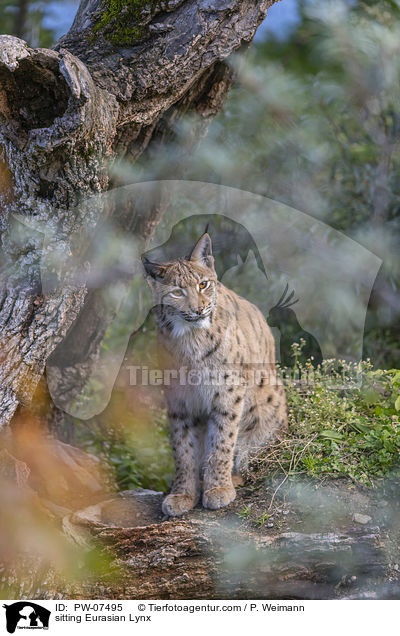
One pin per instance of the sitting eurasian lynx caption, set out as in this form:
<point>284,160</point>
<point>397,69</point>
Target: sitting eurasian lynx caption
<point>223,395</point>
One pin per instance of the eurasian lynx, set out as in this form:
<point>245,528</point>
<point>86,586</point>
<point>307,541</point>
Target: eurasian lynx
<point>223,395</point>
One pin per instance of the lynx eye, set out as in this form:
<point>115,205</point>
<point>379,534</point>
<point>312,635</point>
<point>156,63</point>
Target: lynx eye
<point>204,284</point>
<point>177,293</point>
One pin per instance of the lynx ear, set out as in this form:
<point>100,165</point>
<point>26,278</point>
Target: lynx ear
<point>202,252</point>
<point>153,269</point>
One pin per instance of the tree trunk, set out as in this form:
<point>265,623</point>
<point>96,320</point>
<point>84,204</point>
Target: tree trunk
<point>199,557</point>
<point>112,87</point>
<point>211,556</point>
<point>20,18</point>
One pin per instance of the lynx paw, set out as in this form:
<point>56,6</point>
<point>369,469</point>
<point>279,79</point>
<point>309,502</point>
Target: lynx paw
<point>218,497</point>
<point>177,504</point>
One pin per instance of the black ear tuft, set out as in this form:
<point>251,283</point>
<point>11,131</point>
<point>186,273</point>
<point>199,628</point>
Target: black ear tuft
<point>155,270</point>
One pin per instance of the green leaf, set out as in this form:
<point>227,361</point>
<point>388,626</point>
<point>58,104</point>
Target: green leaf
<point>360,427</point>
<point>397,404</point>
<point>396,378</point>
<point>371,395</point>
<point>331,435</point>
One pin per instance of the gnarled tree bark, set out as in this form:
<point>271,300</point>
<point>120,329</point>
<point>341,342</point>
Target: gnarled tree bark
<point>112,87</point>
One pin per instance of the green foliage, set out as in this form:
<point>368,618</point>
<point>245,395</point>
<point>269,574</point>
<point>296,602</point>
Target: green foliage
<point>136,456</point>
<point>262,519</point>
<point>353,433</point>
<point>314,120</point>
<point>245,512</point>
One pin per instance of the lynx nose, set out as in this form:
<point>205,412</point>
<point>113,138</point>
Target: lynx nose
<point>199,310</point>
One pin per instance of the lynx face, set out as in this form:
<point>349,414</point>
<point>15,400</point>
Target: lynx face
<point>185,290</point>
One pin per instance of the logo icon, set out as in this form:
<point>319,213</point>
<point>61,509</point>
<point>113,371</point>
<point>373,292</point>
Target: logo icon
<point>26,615</point>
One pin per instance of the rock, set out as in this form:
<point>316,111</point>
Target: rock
<point>363,519</point>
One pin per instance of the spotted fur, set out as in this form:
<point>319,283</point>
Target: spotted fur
<point>205,328</point>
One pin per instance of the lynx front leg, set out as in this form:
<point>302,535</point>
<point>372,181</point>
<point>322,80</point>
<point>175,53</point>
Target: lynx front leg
<point>185,491</point>
<point>218,489</point>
